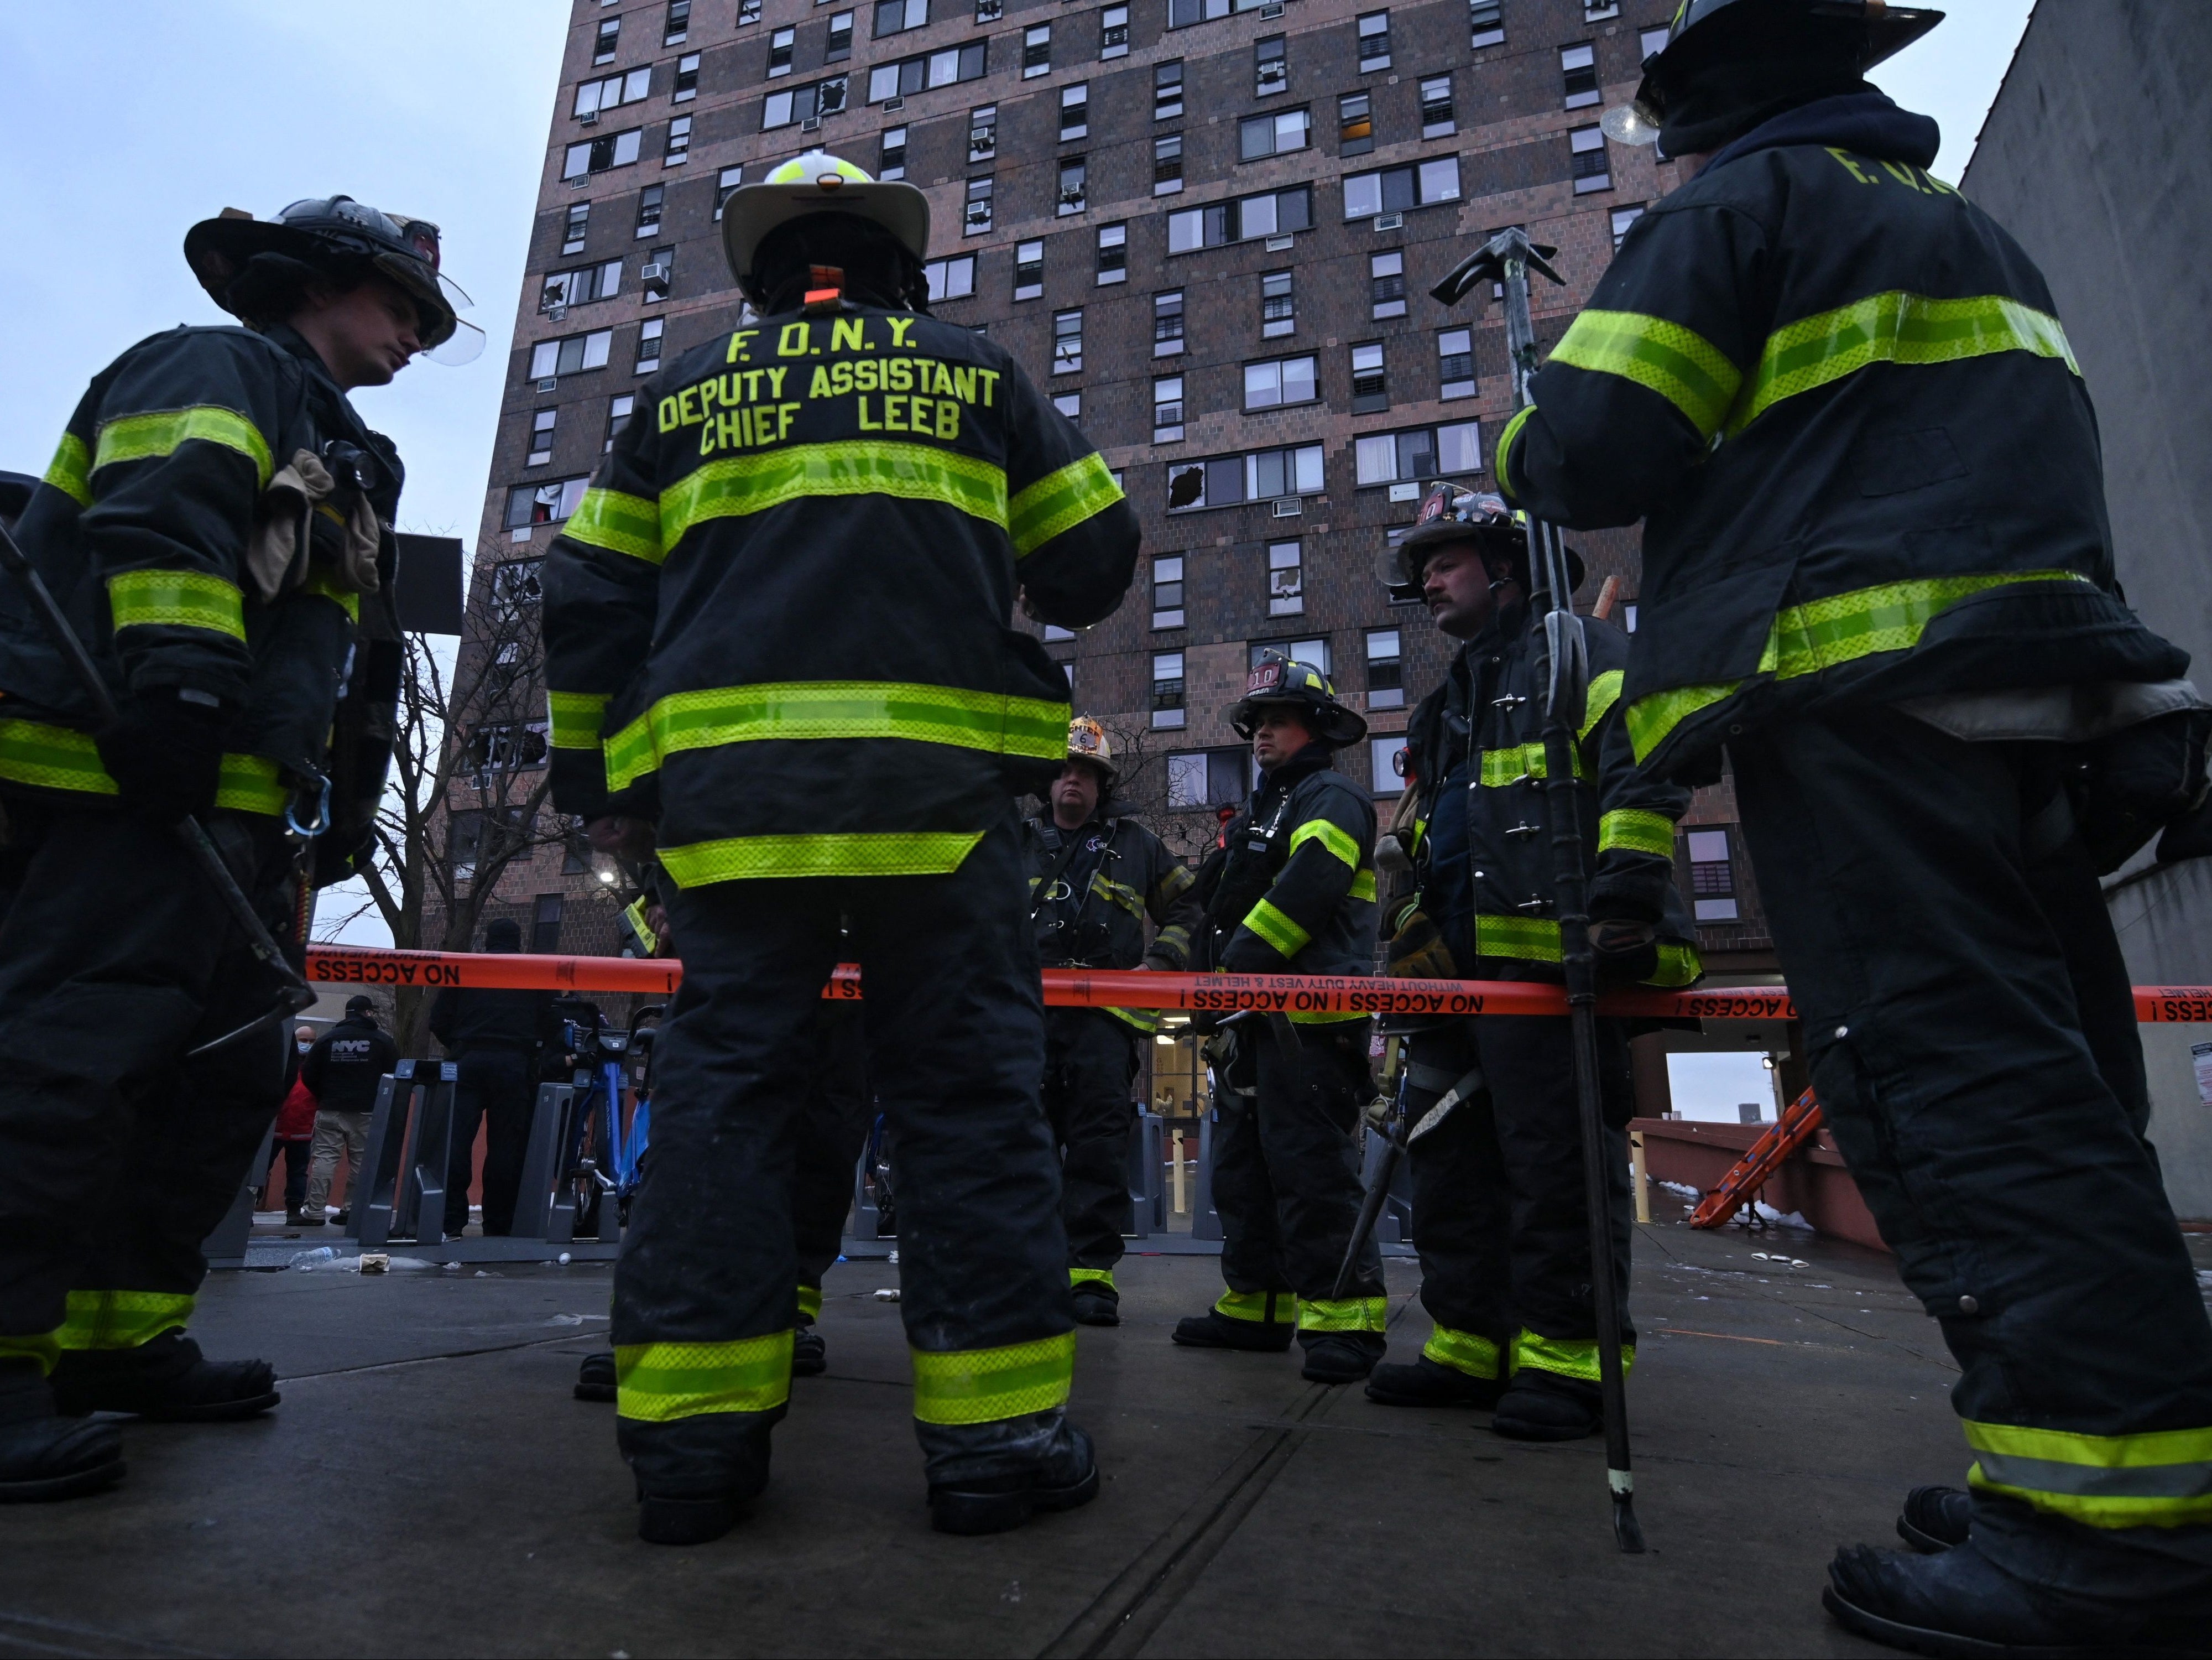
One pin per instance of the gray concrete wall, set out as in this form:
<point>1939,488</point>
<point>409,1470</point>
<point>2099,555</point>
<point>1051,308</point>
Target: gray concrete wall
<point>2095,157</point>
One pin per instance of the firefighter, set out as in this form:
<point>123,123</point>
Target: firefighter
<point>216,523</point>
<point>1499,1214</point>
<point>779,646</point>
<point>1292,890</point>
<point>1878,574</point>
<point>1095,875</point>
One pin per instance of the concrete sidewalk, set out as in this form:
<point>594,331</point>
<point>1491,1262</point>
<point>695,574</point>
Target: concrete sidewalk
<point>429,1487</point>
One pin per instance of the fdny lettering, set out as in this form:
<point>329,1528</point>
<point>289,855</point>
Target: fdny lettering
<point>923,375</point>
<point>748,427</point>
<point>1912,178</point>
<point>930,417</point>
<point>697,404</point>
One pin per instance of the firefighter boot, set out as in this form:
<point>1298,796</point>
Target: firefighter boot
<point>1262,1321</point>
<point>1543,1406</point>
<point>1425,1384</point>
<point>987,1478</point>
<point>1935,1518</point>
<point>166,1379</point>
<point>595,1378</point>
<point>43,1455</point>
<point>695,1475</point>
<point>809,1353</point>
<point>1098,1302</point>
<point>1341,1357</point>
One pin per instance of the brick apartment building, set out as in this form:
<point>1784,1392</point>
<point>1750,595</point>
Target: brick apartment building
<point>1207,229</point>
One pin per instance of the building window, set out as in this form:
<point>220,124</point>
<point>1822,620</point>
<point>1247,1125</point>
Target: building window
<point>1259,136</point>
<point>890,159</point>
<point>649,344</point>
<point>541,437</point>
<point>1651,42</point>
<point>545,923</point>
<point>1029,270</point>
<point>1114,33</point>
<point>1713,877</point>
<point>1066,342</point>
<point>1578,70</point>
<point>983,133</point>
<point>1166,164</point>
<point>1208,778</point>
<point>779,45</point>
<point>1384,761</point>
<point>1587,144</point>
<point>1279,381</point>
<point>597,97</point>
<point>1385,684</point>
<point>678,27</point>
<point>1036,51</point>
<point>648,210</point>
<point>1113,254</point>
<point>990,11</point>
<point>839,45</point>
<point>952,278</point>
<point>1069,404</point>
<point>658,274</point>
<point>978,217</point>
<point>1396,189</point>
<point>616,149</point>
<point>1279,306</point>
<point>610,36</point>
<point>1273,213</point>
<point>1437,108</point>
<point>1167,90</point>
<point>1224,481</point>
<point>1286,580</point>
<point>781,109</point>
<point>1074,111</point>
<point>726,181</point>
<point>897,16</point>
<point>1167,324</point>
<point>572,233</point>
<point>1271,69</point>
<point>547,503</point>
<point>1371,385</point>
<point>687,78</point>
<point>1071,197</point>
<point>749,11</point>
<point>1390,458</point>
<point>564,289</point>
<point>570,355</point>
<point>1167,408</point>
<point>937,69</point>
<point>1487,19</point>
<point>677,149</point>
<point>1374,41</point>
<point>1386,283</point>
<point>1313,652</point>
<point>1167,591</point>
<point>619,409</point>
<point>1597,11</point>
<point>1167,690</point>
<point>1622,219</point>
<point>1355,125</point>
<point>1455,362</point>
<point>518,582</point>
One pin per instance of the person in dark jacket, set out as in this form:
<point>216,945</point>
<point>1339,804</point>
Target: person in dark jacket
<point>1877,570</point>
<point>1293,892</point>
<point>495,1039</point>
<point>779,645</point>
<point>1094,876</point>
<point>214,525</point>
<point>1499,1214</point>
<point>343,1068</point>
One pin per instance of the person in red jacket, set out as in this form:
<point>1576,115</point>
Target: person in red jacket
<point>294,1132</point>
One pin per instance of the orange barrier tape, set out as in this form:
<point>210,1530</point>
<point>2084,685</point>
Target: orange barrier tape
<point>1287,993</point>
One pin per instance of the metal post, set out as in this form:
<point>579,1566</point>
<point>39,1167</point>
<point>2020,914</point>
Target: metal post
<point>541,1162</point>
<point>375,1188</point>
<point>225,1247</point>
<point>1204,1221</point>
<point>432,1157</point>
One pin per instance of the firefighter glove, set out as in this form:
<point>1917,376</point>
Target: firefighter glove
<point>1626,952</point>
<point>166,755</point>
<point>1418,949</point>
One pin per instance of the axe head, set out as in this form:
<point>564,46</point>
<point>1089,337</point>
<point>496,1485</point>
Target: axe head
<point>1487,265</point>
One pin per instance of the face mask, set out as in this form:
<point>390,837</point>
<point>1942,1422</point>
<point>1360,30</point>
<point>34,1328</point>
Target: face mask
<point>303,1048</point>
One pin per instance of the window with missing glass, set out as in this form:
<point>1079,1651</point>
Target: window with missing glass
<point>1355,123</point>
<point>1168,713</point>
<point>1166,164</point>
<point>1271,67</point>
<point>1224,481</point>
<point>1386,683</point>
<point>1279,306</point>
<point>1029,270</point>
<point>564,289</point>
<point>542,423</point>
<point>781,109</point>
<point>543,504</point>
<point>1114,33</point>
<point>1167,408</point>
<point>1271,213</point>
<point>1067,341</point>
<point>1578,76</point>
<point>1261,135</point>
<point>1455,363</point>
<point>1592,172</point>
<point>1374,41</point>
<point>1423,452</point>
<point>1167,90</point>
<point>1396,190</point>
<point>1712,876</point>
<point>1167,323</point>
<point>1074,111</point>
<point>1371,382</point>
<point>1275,381</point>
<point>1286,579</point>
<point>1167,591</point>
<point>990,11</point>
<point>1113,254</point>
<point>983,133</point>
<point>952,278</point>
<point>891,155</point>
<point>749,11</point>
<point>1386,283</point>
<point>1436,120</point>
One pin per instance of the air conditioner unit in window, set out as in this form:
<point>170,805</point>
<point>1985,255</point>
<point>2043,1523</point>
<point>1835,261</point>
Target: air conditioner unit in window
<point>588,119</point>
<point>811,124</point>
<point>890,104</point>
<point>1286,506</point>
<point>1389,221</point>
<point>1273,11</point>
<point>555,311</point>
<point>655,271</point>
<point>1275,245</point>
<point>551,383</point>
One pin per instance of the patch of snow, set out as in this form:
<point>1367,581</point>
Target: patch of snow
<point>1682,1188</point>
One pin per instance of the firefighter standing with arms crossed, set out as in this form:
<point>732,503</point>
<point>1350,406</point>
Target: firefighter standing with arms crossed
<point>1877,571</point>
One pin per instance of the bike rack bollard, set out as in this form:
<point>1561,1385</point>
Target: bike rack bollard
<point>1148,1163</point>
<point>546,1206</point>
<point>375,1183</point>
<point>403,1176</point>
<point>225,1247</point>
<point>422,1210</point>
<point>1205,1221</point>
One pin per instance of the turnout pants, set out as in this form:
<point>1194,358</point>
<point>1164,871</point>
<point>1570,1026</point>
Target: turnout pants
<point>1090,1059</point>
<point>1286,1182</point>
<point>498,1088</point>
<point>118,1155</point>
<point>832,1130</point>
<point>705,1292</point>
<point>338,1135</point>
<point>1498,1212</point>
<point>1973,1041</point>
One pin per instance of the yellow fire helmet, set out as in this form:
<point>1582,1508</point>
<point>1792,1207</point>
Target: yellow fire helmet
<point>1087,741</point>
<point>819,182</point>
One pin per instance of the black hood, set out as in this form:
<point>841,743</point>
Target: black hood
<point>1867,123</point>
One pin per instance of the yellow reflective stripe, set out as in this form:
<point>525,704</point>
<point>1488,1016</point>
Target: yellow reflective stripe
<point>1896,327</point>
<point>981,1386</point>
<point>1331,837</point>
<point>1498,457</point>
<point>1683,366</point>
<point>2162,1478</point>
<point>1632,829</point>
<point>70,471</point>
<point>887,853</point>
<point>120,1319</point>
<point>621,524</point>
<point>176,600</point>
<point>1466,1351</point>
<point>754,484</point>
<point>1059,502</point>
<point>1278,1308</point>
<point>1679,965</point>
<point>1091,1277</point>
<point>810,1302</point>
<point>1604,693</point>
<point>160,432</point>
<point>1363,885</point>
<point>40,1349</point>
<point>1118,893</point>
<point>249,783</point>
<point>53,758</point>
<point>633,914</point>
<point>1177,882</point>
<point>1174,939</point>
<point>656,1383</point>
<point>1301,1017</point>
<point>1652,717</point>
<point>1277,929</point>
<point>1145,1020</point>
<point>1569,1356</point>
<point>1343,1313</point>
<point>1530,939</point>
<point>1521,762</point>
<point>574,718</point>
<point>987,721</point>
<point>320,584</point>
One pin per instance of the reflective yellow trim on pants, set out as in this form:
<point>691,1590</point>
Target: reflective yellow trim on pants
<point>656,1383</point>
<point>70,472</point>
<point>1680,364</point>
<point>121,1319</point>
<point>48,757</point>
<point>981,1386</point>
<point>1633,829</point>
<point>621,524</point>
<point>1271,924</point>
<point>1144,1020</point>
<point>1569,1356</point>
<point>753,484</point>
<point>884,853</point>
<point>573,717</point>
<point>161,432</point>
<point>2162,1479</point>
<point>1343,1313</point>
<point>1080,1277</point>
<point>1264,1308</point>
<point>176,600</point>
<point>810,1302</point>
<point>1059,502</point>
<point>1467,1352</point>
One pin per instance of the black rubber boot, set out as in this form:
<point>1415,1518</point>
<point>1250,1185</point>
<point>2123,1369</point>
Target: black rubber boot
<point>1542,1405</point>
<point>1936,1518</point>
<point>695,1475</point>
<point>1341,1356</point>
<point>595,1378</point>
<point>167,1379</point>
<point>44,1455</point>
<point>1427,1383</point>
<point>1959,1602</point>
<point>987,1478</point>
<point>809,1353</point>
<point>1215,1331</point>
<point>1096,1306</point>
